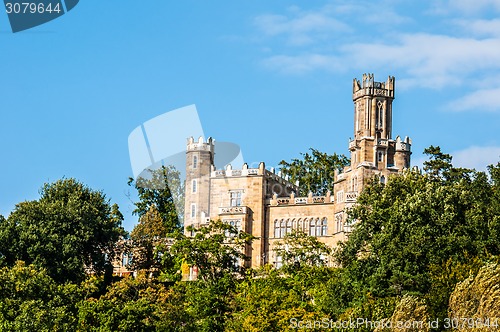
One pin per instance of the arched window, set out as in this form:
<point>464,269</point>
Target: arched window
<point>338,221</point>
<point>193,210</point>
<point>380,114</point>
<point>318,227</point>
<point>282,228</point>
<point>276,228</point>
<point>300,225</point>
<point>294,224</point>
<point>312,227</point>
<point>288,226</point>
<point>355,184</point>
<point>324,226</point>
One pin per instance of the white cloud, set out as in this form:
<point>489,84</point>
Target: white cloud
<point>481,100</point>
<point>346,35</point>
<point>465,7</point>
<point>476,157</point>
<point>304,28</point>
<point>480,27</point>
<point>472,7</point>
<point>431,61</point>
<point>303,63</point>
<point>301,27</point>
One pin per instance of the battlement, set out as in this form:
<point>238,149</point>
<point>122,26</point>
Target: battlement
<point>246,171</point>
<point>368,87</point>
<point>200,144</point>
<point>403,145</point>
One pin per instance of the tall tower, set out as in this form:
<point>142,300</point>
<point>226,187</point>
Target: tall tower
<point>373,144</point>
<point>199,162</point>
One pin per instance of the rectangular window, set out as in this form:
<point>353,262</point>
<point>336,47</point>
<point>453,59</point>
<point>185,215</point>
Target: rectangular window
<point>194,185</point>
<point>277,229</point>
<point>235,198</point>
<point>195,161</point>
<point>380,156</point>
<point>236,223</point>
<point>193,210</point>
<point>312,228</point>
<point>340,196</point>
<point>278,263</point>
<point>126,259</point>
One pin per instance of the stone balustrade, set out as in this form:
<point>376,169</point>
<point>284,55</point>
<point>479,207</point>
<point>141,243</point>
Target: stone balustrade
<point>233,210</point>
<point>351,196</point>
<point>292,200</point>
<point>383,142</point>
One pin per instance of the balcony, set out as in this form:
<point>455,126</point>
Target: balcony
<point>383,142</point>
<point>351,196</point>
<point>233,210</point>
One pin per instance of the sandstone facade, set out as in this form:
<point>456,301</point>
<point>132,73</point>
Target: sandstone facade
<point>265,204</point>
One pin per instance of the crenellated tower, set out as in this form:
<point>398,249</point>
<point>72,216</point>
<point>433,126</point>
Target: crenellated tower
<point>373,151</point>
<point>199,164</point>
<point>373,144</point>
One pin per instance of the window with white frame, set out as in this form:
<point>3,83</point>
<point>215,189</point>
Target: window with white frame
<point>324,226</point>
<point>288,226</point>
<point>277,228</point>
<point>236,223</point>
<point>278,262</point>
<point>340,196</point>
<point>235,197</point>
<point>126,259</point>
<point>338,221</point>
<point>312,227</point>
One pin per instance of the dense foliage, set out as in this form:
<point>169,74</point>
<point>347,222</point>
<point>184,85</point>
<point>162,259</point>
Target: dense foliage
<point>69,230</point>
<point>163,189</point>
<point>424,247</point>
<point>315,171</point>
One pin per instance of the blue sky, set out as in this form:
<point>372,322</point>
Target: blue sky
<point>274,77</point>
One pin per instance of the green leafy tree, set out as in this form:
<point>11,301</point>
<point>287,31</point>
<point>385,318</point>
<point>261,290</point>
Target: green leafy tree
<point>30,300</point>
<point>417,222</point>
<point>149,238</point>
<point>135,304</point>
<point>269,300</point>
<point>315,171</point>
<point>298,250</point>
<point>69,230</point>
<point>217,250</point>
<point>164,190</point>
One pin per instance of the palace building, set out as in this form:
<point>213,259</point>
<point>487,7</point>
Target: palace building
<point>266,205</point>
